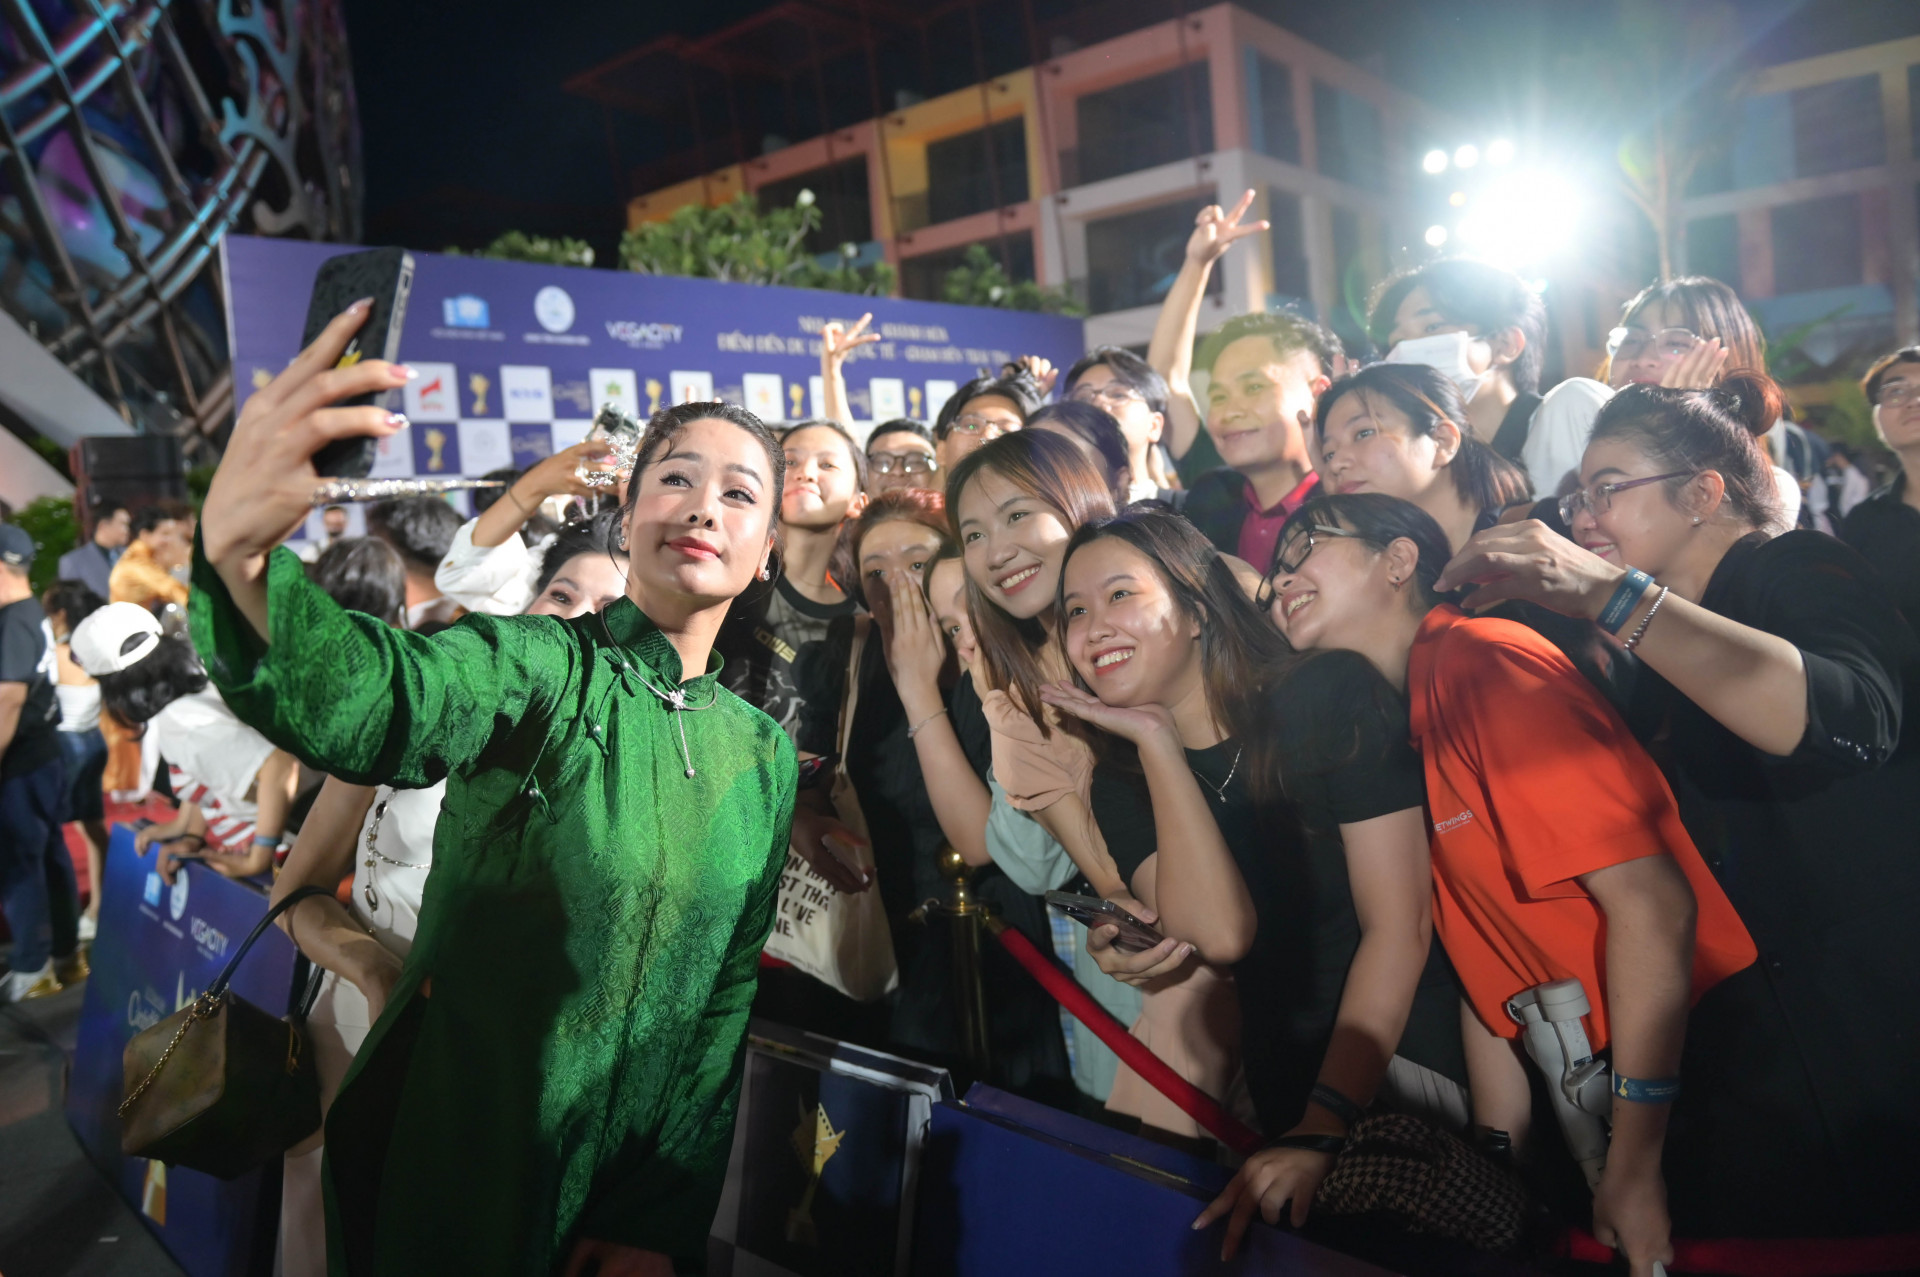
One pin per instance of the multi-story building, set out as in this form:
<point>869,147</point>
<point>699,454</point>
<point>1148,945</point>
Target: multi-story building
<point>1082,168</point>
<point>1814,214</point>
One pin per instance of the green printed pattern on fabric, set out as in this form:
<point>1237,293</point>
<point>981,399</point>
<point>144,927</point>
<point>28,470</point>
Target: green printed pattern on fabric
<point>592,924</point>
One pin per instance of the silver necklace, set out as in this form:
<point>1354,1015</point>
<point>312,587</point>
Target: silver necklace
<point>674,698</point>
<point>1221,788</point>
<point>374,854</point>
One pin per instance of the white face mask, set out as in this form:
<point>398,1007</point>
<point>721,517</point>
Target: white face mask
<point>1449,353</point>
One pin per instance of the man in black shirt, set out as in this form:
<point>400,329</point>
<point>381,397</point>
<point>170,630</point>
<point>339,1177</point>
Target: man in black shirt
<point>37,888</point>
<point>1885,528</point>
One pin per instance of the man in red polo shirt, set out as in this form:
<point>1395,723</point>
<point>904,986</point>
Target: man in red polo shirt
<point>1265,371</point>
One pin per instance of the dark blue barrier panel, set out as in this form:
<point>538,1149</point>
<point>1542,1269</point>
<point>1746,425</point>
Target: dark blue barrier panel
<point>159,948</point>
<point>1009,1186</point>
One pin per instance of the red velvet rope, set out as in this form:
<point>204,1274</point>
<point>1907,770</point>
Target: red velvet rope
<point>1192,1101</point>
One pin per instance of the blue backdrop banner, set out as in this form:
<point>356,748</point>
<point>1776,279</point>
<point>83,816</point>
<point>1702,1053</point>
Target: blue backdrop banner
<point>514,359</point>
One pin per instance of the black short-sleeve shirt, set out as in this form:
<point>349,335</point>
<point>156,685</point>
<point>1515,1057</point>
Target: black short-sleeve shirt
<point>24,658</point>
<point>1344,757</point>
<point>1886,532</point>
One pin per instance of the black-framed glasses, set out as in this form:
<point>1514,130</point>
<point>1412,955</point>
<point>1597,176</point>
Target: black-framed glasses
<point>1668,343</point>
<point>1291,555</point>
<point>1598,497</point>
<point>886,463</point>
<point>989,427</point>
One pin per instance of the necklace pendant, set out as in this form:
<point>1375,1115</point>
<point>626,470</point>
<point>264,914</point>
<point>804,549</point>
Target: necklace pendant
<point>676,698</point>
<point>689,773</point>
<point>373,899</point>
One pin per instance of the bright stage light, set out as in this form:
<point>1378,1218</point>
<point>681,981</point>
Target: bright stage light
<point>1523,220</point>
<point>1458,199</point>
<point>1467,156</point>
<point>1436,236</point>
<point>1435,161</point>
<point>1499,151</point>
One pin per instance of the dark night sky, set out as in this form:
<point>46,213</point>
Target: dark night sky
<point>467,132</point>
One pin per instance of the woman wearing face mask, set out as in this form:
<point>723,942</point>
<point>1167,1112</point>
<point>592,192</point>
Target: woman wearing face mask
<point>604,874</point>
<point>1777,675</point>
<point>1302,863</point>
<point>1014,504</point>
<point>1557,848</point>
<point>383,837</point>
<point>898,700</point>
<point>1397,429</point>
<point>1483,327</point>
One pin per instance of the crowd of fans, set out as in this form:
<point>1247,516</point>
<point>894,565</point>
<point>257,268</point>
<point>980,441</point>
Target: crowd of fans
<point>1385,691</point>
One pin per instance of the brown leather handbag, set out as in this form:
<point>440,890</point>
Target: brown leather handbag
<point>221,1086</point>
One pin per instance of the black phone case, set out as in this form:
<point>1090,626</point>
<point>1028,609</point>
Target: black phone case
<point>386,275</point>
<point>1092,913</point>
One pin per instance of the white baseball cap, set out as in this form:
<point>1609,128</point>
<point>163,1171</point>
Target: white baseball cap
<point>115,638</point>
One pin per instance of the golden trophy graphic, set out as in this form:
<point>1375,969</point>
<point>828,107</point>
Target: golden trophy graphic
<point>797,393</point>
<point>436,440</point>
<point>815,1142</point>
<point>913,402</point>
<point>653,396</point>
<point>260,378</point>
<point>478,385</point>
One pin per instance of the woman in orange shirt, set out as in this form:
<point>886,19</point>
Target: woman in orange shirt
<point>1557,848</point>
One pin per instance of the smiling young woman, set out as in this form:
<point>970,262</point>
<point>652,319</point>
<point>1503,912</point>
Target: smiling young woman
<point>609,853</point>
<point>1777,675</point>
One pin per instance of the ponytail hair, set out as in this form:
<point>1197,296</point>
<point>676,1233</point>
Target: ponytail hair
<point>1694,431</point>
<point>1060,474</point>
<point>1426,396</point>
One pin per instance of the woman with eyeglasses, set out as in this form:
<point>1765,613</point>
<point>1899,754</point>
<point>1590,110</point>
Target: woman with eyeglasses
<point>1557,849</point>
<point>1279,829</point>
<point>1775,677</point>
<point>1885,527</point>
<point>1124,386</point>
<point>982,410</point>
<point>1681,334</point>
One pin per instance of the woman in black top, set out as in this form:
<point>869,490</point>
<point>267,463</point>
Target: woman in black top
<point>1775,678</point>
<point>891,545</point>
<point>1172,662</point>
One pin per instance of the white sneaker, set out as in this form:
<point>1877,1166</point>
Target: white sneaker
<point>20,986</point>
<point>88,928</point>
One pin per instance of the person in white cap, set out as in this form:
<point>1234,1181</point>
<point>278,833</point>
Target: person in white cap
<point>38,893</point>
<point>233,786</point>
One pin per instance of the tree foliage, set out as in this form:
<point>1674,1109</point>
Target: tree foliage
<point>518,246</point>
<point>742,243</point>
<point>55,529</point>
<point>980,280</point>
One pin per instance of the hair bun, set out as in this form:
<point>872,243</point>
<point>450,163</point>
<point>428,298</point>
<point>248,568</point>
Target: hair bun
<point>1757,401</point>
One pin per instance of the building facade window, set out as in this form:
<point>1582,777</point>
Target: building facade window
<point>1133,257</point>
<point>1349,137</point>
<point>1816,244</point>
<point>974,172</point>
<point>1142,123</point>
<point>923,277</point>
<point>1838,126</point>
<point>1287,240</point>
<point>1270,121</point>
<point>841,190</point>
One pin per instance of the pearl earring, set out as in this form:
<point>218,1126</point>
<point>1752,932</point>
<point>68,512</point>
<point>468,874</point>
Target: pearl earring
<point>766,571</point>
<point>1696,520</point>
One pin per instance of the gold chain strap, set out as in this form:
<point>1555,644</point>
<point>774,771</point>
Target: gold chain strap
<point>201,1010</point>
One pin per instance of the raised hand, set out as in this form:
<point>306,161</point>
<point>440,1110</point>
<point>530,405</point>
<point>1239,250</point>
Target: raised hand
<point>916,651</point>
<point>837,340</point>
<point>1041,370</point>
<point>1698,369</point>
<point>1267,1182</point>
<point>1215,230</point>
<point>1142,724</point>
<point>264,487</point>
<point>1528,560</point>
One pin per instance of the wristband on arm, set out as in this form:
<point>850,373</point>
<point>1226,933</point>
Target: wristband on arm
<point>1626,597</point>
<point>1661,1090</point>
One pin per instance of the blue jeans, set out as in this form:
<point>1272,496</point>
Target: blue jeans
<point>38,891</point>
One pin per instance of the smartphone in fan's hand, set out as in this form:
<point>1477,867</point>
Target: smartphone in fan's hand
<point>385,275</point>
<point>1092,912</point>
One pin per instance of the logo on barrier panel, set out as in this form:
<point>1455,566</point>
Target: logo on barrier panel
<point>553,308</point>
<point>177,900</point>
<point>464,311</point>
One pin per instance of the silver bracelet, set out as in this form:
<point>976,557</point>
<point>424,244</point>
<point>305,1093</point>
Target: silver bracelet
<point>923,722</point>
<point>1646,620</point>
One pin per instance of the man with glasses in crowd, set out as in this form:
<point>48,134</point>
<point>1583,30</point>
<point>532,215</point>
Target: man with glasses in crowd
<point>1885,528</point>
<point>900,455</point>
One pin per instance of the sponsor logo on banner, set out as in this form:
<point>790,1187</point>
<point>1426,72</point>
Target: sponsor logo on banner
<point>526,392</point>
<point>691,387</point>
<point>938,392</point>
<point>153,889</point>
<point>888,396</point>
<point>553,308</point>
<point>212,940</point>
<point>617,386</point>
<point>760,392</point>
<point>644,336</point>
<point>484,446</point>
<point>177,899</point>
<point>530,444</point>
<point>464,311</point>
<point>434,394</point>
